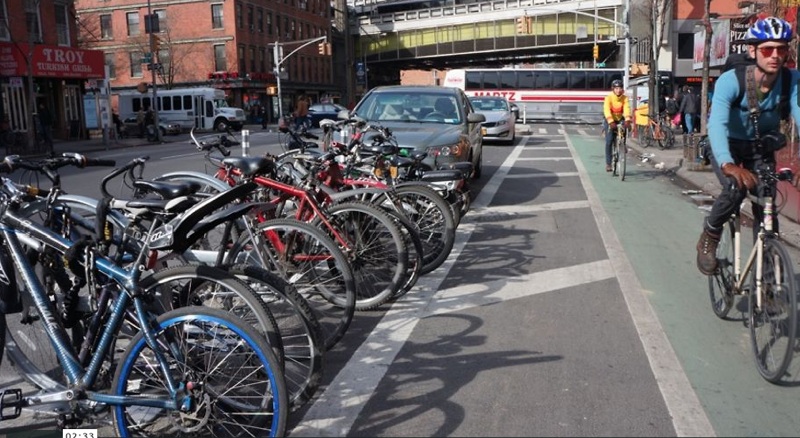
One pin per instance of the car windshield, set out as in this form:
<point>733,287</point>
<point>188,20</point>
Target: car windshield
<point>489,104</point>
<point>412,106</point>
<point>220,103</point>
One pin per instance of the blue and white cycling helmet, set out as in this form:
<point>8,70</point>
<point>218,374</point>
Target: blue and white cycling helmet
<point>769,29</point>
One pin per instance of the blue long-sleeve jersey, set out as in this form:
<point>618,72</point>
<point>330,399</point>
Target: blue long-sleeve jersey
<point>728,120</point>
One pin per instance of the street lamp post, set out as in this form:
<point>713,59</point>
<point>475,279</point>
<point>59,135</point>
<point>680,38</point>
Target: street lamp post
<point>279,58</point>
<point>152,65</point>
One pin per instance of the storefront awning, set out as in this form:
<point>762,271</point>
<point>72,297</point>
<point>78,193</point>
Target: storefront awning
<point>51,61</point>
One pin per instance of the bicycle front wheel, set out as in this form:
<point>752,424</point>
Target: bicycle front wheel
<point>623,157</point>
<point>773,321</point>
<point>233,385</point>
<point>721,284</point>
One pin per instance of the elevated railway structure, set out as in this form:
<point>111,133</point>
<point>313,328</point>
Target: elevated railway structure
<point>447,34</point>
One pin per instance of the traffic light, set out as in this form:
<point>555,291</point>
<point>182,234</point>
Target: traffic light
<point>596,52</point>
<point>324,48</point>
<point>522,24</point>
<point>321,48</point>
<point>156,44</point>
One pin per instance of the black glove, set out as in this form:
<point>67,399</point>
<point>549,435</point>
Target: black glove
<point>743,177</point>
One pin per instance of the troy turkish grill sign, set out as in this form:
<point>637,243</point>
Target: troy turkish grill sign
<point>51,61</point>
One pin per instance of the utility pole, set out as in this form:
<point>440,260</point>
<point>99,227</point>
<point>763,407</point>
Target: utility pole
<point>706,62</point>
<point>152,65</point>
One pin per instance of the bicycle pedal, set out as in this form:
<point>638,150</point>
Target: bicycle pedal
<point>10,399</point>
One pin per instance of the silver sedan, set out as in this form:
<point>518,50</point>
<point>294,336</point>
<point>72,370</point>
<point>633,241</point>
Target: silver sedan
<point>501,116</point>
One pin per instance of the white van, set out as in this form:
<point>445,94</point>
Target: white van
<point>203,108</point>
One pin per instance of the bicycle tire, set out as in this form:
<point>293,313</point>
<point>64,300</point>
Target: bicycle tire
<point>311,262</point>
<point>623,157</point>
<point>615,156</point>
<point>300,331</point>
<point>721,285</point>
<point>773,347</point>
<point>415,249</point>
<point>238,389</point>
<point>203,285</point>
<point>431,214</point>
<point>377,252</point>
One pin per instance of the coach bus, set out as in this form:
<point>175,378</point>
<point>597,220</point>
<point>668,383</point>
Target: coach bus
<point>556,95</point>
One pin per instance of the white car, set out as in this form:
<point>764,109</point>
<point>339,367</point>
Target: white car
<point>501,116</point>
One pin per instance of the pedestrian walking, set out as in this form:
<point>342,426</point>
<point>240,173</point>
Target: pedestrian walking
<point>46,122</point>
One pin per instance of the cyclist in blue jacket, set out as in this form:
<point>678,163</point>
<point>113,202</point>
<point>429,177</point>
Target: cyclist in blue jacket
<point>732,131</point>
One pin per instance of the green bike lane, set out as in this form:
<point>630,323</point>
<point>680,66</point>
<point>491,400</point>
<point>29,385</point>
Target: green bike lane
<point>658,228</point>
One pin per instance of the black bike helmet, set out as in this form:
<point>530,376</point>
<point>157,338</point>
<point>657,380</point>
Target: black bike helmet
<point>616,83</point>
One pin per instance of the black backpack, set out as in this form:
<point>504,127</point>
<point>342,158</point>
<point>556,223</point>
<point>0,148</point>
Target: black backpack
<point>672,107</point>
<point>739,62</point>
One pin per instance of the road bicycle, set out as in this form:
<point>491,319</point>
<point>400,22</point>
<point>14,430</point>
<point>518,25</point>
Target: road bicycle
<point>619,152</point>
<point>658,132</point>
<point>263,298</point>
<point>766,279</point>
<point>193,370</point>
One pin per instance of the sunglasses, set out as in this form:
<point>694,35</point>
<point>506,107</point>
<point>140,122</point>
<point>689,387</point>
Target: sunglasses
<point>768,51</point>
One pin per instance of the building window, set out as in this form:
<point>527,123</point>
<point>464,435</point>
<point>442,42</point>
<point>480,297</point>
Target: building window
<point>32,20</point>
<point>250,18</point>
<point>136,64</point>
<point>109,61</point>
<point>260,20</point>
<point>685,46</point>
<point>62,24</point>
<point>106,32</point>
<point>252,59</point>
<point>239,17</point>
<point>269,23</point>
<point>262,59</point>
<point>289,31</point>
<point>220,62</point>
<point>242,63</point>
<point>133,23</point>
<point>278,25</point>
<point>216,16</point>
<point>4,34</point>
<point>162,19</point>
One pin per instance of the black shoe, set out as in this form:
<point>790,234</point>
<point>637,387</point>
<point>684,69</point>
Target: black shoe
<point>608,168</point>
<point>707,252</point>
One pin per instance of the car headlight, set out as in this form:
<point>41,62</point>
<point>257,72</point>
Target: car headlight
<point>447,150</point>
<point>501,122</point>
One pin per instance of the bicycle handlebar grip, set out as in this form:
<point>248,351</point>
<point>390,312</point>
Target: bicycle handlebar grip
<point>6,167</point>
<point>99,162</point>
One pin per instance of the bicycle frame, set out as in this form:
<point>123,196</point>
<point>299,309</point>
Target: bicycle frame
<point>756,254</point>
<point>17,229</point>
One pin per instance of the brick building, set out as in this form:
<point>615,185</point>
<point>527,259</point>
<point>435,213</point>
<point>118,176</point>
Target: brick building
<point>223,44</point>
<point>42,35</point>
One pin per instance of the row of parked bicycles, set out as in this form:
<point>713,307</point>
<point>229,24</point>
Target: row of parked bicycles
<point>204,303</point>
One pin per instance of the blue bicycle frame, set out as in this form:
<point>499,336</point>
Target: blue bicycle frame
<point>80,380</point>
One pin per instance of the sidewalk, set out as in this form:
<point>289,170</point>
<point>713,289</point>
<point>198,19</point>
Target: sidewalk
<point>703,183</point>
<point>97,145</point>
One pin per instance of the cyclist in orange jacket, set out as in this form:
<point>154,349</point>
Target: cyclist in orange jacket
<point>616,109</point>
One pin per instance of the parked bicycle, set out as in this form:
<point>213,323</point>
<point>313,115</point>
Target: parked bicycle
<point>658,132</point>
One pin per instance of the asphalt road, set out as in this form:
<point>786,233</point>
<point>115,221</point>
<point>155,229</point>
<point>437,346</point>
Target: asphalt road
<point>570,306</point>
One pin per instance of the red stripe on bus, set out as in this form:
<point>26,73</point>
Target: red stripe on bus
<point>562,99</point>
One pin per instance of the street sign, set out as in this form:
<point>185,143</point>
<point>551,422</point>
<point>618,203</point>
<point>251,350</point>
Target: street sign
<point>601,64</point>
<point>361,73</point>
<point>621,41</point>
<point>15,82</point>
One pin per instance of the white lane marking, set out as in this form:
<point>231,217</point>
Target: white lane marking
<point>542,175</point>
<point>481,294</point>
<point>547,158</point>
<point>523,208</point>
<point>688,416</point>
<point>542,131</point>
